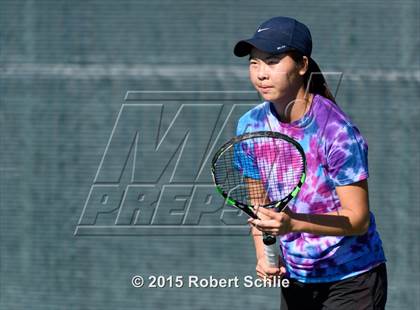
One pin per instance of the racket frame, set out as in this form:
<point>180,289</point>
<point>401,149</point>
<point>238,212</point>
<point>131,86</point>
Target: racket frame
<point>277,205</point>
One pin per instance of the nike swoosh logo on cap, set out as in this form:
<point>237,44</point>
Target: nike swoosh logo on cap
<point>262,29</point>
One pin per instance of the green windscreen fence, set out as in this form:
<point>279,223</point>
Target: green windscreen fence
<point>110,112</point>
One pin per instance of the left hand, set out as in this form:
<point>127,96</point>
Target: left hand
<point>273,223</point>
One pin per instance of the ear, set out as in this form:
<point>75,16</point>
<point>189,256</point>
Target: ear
<point>304,65</point>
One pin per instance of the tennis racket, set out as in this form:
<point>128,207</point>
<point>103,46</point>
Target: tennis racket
<point>260,169</point>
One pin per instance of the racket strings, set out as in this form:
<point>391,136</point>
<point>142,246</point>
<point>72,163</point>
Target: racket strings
<point>259,170</point>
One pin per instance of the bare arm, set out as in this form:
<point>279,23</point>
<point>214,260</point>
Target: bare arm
<point>351,219</point>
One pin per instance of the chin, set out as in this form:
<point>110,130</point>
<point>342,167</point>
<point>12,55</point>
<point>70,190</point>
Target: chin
<point>268,97</point>
<point>265,96</point>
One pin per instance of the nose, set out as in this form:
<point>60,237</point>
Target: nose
<point>262,72</point>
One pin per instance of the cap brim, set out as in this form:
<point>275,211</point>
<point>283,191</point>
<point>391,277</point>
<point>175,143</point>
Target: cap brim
<point>244,47</point>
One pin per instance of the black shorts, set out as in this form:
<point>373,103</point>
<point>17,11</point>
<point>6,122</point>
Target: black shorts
<point>364,291</point>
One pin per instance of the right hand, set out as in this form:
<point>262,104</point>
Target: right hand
<point>266,271</point>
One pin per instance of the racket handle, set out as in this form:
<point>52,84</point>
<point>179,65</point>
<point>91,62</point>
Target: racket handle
<point>272,253</point>
<point>272,250</point>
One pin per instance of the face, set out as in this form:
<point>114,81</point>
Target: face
<point>276,77</point>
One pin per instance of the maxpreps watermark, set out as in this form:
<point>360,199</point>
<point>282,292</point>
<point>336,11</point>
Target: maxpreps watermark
<point>154,176</point>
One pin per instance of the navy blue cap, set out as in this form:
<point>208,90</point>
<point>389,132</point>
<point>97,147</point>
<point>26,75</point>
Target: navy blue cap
<point>278,35</point>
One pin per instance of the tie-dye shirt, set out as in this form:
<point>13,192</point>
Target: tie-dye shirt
<point>336,155</point>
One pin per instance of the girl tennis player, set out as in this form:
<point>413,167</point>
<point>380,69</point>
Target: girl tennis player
<point>332,253</point>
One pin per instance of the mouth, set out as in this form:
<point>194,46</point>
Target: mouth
<point>265,89</point>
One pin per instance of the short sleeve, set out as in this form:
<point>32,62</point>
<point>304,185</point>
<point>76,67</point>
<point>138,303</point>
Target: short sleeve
<point>347,157</point>
<point>244,160</point>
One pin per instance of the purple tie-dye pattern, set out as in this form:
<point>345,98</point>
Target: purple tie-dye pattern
<point>336,155</point>
<point>278,178</point>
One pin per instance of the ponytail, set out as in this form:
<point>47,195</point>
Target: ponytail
<point>318,84</point>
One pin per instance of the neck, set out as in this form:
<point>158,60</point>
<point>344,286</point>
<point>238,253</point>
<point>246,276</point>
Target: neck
<point>294,107</point>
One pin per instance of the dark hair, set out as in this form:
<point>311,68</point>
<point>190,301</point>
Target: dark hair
<point>318,84</point>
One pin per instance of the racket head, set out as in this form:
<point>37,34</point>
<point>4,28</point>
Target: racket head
<point>264,167</point>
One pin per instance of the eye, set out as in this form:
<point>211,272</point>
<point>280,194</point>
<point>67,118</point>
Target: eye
<point>272,61</point>
<point>253,62</point>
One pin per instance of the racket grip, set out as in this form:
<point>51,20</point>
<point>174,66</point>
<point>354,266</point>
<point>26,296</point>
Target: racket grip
<point>272,253</point>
